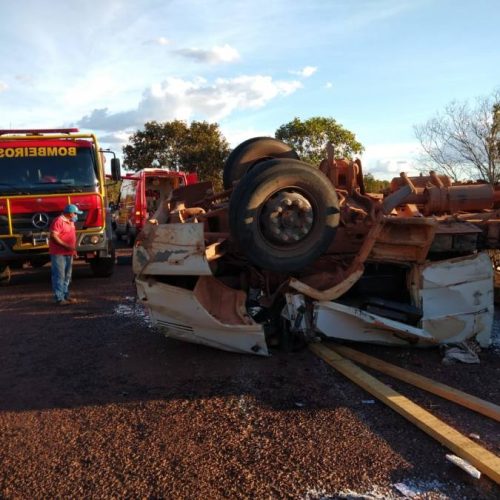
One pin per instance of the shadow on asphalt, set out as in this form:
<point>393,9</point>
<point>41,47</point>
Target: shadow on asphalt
<point>102,350</point>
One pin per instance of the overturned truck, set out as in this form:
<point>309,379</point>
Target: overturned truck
<point>290,252</point>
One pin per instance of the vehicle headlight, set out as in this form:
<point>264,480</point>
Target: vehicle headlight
<point>91,239</point>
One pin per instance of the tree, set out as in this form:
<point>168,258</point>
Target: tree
<point>205,151</point>
<point>463,141</point>
<point>309,138</point>
<point>199,147</point>
<point>113,190</point>
<point>158,141</point>
<point>373,185</point>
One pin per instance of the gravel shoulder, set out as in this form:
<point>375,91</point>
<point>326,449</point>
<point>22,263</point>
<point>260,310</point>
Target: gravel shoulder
<point>94,402</point>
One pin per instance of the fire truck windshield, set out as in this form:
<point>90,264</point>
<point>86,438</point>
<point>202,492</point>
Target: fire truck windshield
<point>48,174</point>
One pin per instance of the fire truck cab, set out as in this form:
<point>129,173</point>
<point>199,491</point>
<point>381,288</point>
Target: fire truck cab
<point>141,194</point>
<point>42,171</point>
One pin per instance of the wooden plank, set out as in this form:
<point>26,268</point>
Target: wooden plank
<point>479,457</point>
<point>445,391</point>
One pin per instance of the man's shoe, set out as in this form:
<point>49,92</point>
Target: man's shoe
<point>63,302</point>
<point>71,300</point>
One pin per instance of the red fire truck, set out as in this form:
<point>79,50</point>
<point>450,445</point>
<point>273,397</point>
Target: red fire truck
<point>142,193</point>
<point>41,171</point>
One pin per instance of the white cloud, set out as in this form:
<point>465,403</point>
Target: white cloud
<point>176,98</point>
<point>328,85</point>
<point>162,40</point>
<point>93,87</point>
<point>236,136</point>
<point>305,72</point>
<point>215,55</point>
<point>388,160</point>
<point>3,86</point>
<point>119,138</point>
<point>25,78</point>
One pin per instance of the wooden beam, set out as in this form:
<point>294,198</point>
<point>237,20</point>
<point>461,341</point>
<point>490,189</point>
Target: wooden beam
<point>445,391</point>
<point>479,457</point>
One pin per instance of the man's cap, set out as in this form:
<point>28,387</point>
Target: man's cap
<point>72,209</point>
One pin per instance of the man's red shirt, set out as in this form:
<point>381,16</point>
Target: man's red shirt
<point>66,231</point>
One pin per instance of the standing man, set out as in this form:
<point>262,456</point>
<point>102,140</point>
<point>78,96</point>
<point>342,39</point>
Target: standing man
<point>62,248</point>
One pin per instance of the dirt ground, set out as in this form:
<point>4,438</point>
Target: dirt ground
<point>95,403</point>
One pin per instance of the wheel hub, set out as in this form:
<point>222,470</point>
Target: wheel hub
<point>287,217</point>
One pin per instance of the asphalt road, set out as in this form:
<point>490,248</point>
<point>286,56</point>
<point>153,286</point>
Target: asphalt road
<point>95,403</point>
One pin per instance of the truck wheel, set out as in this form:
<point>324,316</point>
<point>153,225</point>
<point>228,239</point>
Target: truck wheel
<point>4,275</point>
<point>250,153</point>
<point>284,215</point>
<point>103,267</point>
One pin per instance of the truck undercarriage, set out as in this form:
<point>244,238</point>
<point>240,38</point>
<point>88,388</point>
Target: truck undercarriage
<point>288,253</point>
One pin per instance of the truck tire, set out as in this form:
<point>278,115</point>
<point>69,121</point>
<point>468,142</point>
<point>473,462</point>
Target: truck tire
<point>284,215</point>
<point>251,152</point>
<point>103,267</point>
<point>5,275</point>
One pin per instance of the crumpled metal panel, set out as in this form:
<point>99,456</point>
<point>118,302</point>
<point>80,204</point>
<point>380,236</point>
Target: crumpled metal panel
<point>376,327</point>
<point>178,314</point>
<point>456,296</point>
<point>171,249</point>
<point>457,299</point>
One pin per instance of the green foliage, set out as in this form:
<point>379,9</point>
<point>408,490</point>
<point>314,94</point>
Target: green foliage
<point>205,151</point>
<point>199,147</point>
<point>373,185</point>
<point>113,190</point>
<point>309,138</point>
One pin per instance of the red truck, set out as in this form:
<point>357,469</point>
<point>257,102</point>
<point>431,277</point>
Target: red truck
<point>41,171</point>
<point>142,193</point>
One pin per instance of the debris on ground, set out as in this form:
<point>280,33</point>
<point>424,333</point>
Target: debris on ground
<point>464,465</point>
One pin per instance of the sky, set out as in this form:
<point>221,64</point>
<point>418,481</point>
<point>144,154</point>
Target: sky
<point>378,67</point>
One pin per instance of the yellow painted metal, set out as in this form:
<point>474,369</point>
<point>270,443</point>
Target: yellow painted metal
<point>481,458</point>
<point>462,398</point>
<point>71,135</point>
<point>9,218</point>
<point>19,246</point>
<point>43,195</point>
<point>40,195</point>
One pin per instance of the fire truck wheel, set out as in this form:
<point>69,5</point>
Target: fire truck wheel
<point>284,215</point>
<point>4,275</point>
<point>103,267</point>
<point>251,152</point>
